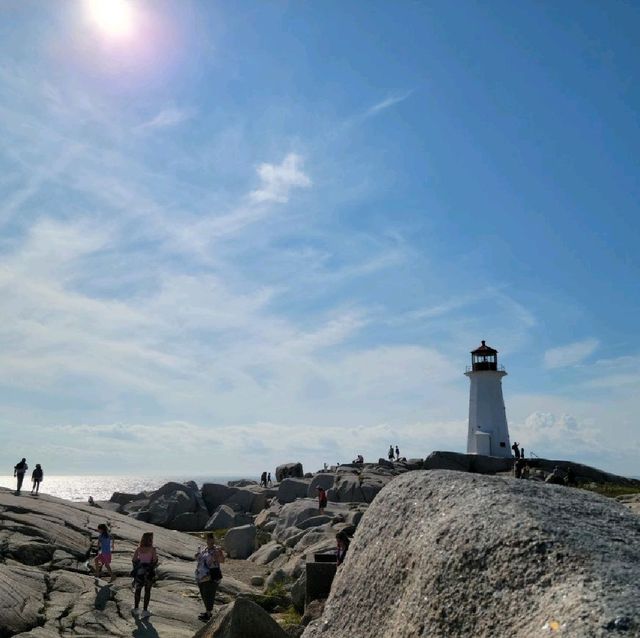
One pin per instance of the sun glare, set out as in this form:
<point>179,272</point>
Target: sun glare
<point>115,18</point>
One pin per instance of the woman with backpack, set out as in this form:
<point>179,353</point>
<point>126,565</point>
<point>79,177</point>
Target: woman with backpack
<point>145,560</point>
<point>208,574</point>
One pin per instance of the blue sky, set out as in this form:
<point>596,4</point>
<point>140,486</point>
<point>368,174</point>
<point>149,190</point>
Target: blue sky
<point>239,234</point>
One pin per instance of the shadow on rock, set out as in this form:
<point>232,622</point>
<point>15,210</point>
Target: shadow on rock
<point>103,596</point>
<point>144,629</point>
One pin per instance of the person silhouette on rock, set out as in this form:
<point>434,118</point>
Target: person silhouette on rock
<point>19,470</point>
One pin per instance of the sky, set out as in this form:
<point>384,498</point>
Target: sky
<point>238,234</point>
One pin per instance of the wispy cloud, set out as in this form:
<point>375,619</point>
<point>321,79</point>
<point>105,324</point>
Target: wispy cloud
<point>277,180</point>
<point>571,354</point>
<point>168,117</point>
<point>388,102</point>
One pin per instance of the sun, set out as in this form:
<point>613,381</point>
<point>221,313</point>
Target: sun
<point>115,18</point>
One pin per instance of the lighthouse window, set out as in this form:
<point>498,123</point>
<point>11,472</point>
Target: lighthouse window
<point>503,444</point>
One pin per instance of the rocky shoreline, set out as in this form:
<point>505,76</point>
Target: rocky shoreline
<point>271,534</point>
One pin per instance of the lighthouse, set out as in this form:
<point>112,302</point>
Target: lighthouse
<point>488,430</point>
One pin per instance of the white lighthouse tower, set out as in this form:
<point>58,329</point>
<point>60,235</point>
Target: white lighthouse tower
<point>488,430</point>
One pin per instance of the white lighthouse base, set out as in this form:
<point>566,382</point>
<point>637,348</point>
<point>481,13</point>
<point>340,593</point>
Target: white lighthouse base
<point>488,432</point>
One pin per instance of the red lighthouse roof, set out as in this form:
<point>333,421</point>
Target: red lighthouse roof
<point>484,349</point>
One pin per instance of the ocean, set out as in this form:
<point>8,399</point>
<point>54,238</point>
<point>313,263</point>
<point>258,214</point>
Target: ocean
<point>79,488</point>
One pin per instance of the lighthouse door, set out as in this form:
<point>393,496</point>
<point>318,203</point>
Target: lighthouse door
<point>483,443</point>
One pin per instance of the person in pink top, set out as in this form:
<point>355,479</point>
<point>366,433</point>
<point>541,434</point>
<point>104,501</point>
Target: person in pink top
<point>144,560</point>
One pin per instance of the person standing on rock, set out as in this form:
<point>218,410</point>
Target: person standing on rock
<point>105,549</point>
<point>36,476</point>
<point>390,455</point>
<point>263,479</point>
<point>208,574</point>
<point>516,449</point>
<point>322,499</point>
<point>145,560</point>
<point>397,453</point>
<point>269,481</point>
<point>19,470</point>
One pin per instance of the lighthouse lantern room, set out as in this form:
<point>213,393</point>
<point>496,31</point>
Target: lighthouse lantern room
<point>488,430</point>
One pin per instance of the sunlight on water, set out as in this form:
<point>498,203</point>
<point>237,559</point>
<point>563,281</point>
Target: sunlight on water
<point>79,488</point>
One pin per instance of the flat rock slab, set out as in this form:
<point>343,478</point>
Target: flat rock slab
<point>443,554</point>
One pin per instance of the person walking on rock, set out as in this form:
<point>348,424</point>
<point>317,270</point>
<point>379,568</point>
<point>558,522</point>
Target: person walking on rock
<point>36,476</point>
<point>19,470</point>
<point>145,560</point>
<point>390,455</point>
<point>208,574</point>
<point>322,499</point>
<point>263,479</point>
<point>105,549</point>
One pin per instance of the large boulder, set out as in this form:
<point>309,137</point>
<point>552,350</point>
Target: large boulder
<point>189,521</point>
<point>349,488</point>
<point>242,619</point>
<point>240,542</point>
<point>293,517</point>
<point>122,498</point>
<point>225,517</point>
<point>292,514</point>
<point>265,554</point>
<point>457,554</point>
<point>242,500</point>
<point>137,505</point>
<point>290,489</point>
<point>215,495</point>
<point>322,479</point>
<point>289,470</point>
<point>174,499</point>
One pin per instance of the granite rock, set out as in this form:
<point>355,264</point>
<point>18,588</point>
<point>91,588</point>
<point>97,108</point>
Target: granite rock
<point>459,554</point>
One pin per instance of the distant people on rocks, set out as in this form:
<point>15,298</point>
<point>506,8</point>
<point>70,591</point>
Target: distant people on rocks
<point>36,477</point>
<point>516,449</point>
<point>19,470</point>
<point>521,452</point>
<point>342,546</point>
<point>145,560</point>
<point>322,499</point>
<point>570,477</point>
<point>105,549</point>
<point>91,501</point>
<point>269,482</point>
<point>397,453</point>
<point>263,480</point>
<point>208,574</point>
<point>359,459</point>
<point>391,453</point>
